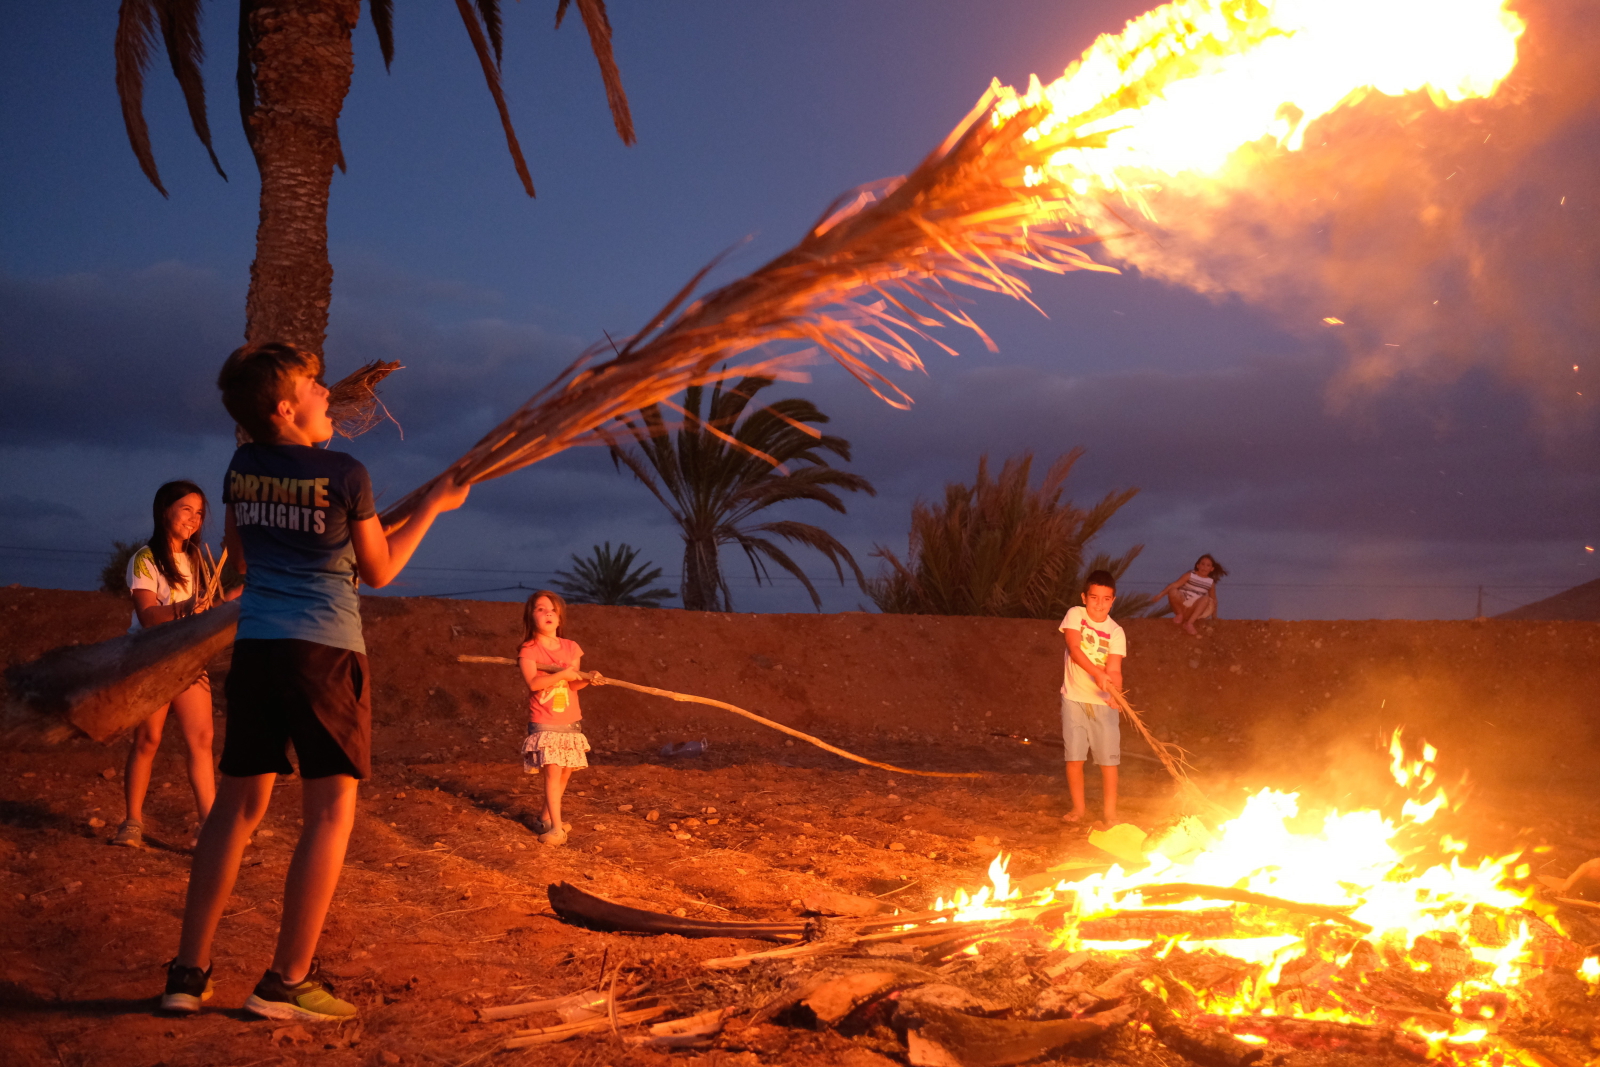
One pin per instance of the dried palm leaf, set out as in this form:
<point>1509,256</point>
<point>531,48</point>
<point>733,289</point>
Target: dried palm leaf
<point>491,75</point>
<point>353,402</point>
<point>868,281</point>
<point>179,21</point>
<point>383,25</point>
<point>598,24</point>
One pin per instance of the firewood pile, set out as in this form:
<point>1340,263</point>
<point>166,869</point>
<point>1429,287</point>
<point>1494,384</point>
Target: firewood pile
<point>1038,982</point>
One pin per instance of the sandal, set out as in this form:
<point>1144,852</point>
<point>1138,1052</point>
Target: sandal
<point>129,835</point>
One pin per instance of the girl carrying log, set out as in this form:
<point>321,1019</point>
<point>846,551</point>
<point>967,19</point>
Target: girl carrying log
<point>555,744</point>
<point>167,579</point>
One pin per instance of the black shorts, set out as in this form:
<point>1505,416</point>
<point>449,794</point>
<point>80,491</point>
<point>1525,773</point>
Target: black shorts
<point>315,696</point>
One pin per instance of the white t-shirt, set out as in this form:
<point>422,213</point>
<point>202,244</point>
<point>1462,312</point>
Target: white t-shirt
<point>1098,641</point>
<point>144,574</point>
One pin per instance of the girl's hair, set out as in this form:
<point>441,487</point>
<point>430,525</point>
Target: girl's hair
<point>160,547</point>
<point>1217,569</point>
<point>529,629</point>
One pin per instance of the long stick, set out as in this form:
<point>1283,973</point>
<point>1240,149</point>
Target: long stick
<point>597,679</point>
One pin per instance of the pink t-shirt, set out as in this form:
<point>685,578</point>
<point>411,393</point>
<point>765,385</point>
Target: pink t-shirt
<point>557,703</point>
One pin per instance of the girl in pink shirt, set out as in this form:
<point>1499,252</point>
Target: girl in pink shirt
<point>555,744</point>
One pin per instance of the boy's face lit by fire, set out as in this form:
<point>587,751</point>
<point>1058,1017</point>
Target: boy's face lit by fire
<point>1097,601</point>
<point>303,419</point>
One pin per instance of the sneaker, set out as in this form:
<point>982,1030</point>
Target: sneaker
<point>552,837</point>
<point>309,1001</point>
<point>542,826</point>
<point>129,835</point>
<point>186,986</point>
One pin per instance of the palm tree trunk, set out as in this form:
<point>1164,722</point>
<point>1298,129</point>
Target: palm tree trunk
<point>303,61</point>
<point>702,577</point>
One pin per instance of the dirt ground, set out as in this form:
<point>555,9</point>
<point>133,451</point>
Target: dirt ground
<point>442,907</point>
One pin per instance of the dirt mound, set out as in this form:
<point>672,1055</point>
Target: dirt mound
<point>1581,603</point>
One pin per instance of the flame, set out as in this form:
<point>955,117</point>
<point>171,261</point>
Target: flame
<point>1469,917</point>
<point>1185,86</point>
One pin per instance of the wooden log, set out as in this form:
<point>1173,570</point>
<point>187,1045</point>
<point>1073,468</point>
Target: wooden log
<point>939,1038</point>
<point>1199,1046</point>
<point>588,909</point>
<point>592,998</point>
<point>104,689</point>
<point>1319,1035</point>
<point>1176,891</point>
<point>1209,925</point>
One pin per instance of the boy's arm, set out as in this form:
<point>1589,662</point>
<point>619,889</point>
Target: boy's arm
<point>1114,672</point>
<point>380,558</point>
<point>1075,653</point>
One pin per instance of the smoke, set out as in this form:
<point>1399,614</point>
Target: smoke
<point>1442,239</point>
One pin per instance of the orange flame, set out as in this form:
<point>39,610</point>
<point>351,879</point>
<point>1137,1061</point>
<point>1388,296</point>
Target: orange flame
<point>1185,86</point>
<point>1360,862</point>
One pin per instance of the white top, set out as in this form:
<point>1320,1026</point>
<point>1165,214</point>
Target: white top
<point>144,574</point>
<point>1098,641</point>
<point>1194,587</point>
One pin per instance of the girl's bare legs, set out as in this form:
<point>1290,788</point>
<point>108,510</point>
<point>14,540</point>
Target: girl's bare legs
<point>555,783</point>
<point>141,755</point>
<point>240,804</point>
<point>192,708</point>
<point>1177,608</point>
<point>328,814</point>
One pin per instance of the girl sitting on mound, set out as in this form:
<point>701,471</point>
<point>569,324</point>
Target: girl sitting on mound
<point>555,743</point>
<point>1194,596</point>
<point>165,578</point>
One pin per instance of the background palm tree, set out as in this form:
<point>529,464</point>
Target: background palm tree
<point>608,577</point>
<point>997,547</point>
<point>294,66</point>
<point>714,474</point>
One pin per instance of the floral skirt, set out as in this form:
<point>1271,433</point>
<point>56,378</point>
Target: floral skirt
<point>545,748</point>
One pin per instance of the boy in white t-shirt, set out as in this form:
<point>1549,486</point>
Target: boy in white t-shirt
<point>1095,648</point>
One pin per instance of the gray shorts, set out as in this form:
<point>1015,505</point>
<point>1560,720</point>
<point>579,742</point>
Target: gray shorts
<point>1087,728</point>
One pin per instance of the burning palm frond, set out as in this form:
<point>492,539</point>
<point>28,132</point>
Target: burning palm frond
<point>868,281</point>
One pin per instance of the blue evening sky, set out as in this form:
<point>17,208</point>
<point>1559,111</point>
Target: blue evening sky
<point>1388,470</point>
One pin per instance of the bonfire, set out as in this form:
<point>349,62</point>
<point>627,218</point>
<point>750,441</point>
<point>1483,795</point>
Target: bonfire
<point>1269,938</point>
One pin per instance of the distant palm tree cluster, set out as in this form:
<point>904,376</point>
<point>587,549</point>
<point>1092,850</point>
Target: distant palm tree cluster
<point>608,577</point>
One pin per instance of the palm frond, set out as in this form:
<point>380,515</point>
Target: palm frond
<point>244,75</point>
<point>599,27</point>
<point>963,217</point>
<point>489,11</point>
<point>491,75</point>
<point>757,547</point>
<point>180,27</point>
<point>383,25</point>
<point>136,33</point>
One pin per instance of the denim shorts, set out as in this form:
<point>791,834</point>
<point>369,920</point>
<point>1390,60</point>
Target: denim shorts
<point>1091,728</point>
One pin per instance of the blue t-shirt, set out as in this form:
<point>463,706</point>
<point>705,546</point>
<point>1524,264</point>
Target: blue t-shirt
<point>293,506</point>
